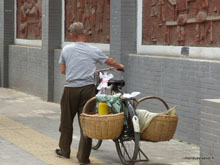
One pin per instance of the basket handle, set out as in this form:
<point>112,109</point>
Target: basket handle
<point>151,97</point>
<point>87,103</point>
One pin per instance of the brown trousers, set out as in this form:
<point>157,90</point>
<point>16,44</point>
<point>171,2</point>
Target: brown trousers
<point>72,102</point>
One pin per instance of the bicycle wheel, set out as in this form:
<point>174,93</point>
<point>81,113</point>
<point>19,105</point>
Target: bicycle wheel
<point>96,144</point>
<point>128,148</point>
<point>127,145</point>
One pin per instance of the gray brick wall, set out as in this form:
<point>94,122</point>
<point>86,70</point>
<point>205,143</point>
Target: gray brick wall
<point>25,69</point>
<point>115,31</point>
<point>6,37</point>
<point>27,65</point>
<point>1,39</point>
<point>210,132</point>
<point>34,71</point>
<point>181,82</point>
<point>123,29</point>
<point>54,40</point>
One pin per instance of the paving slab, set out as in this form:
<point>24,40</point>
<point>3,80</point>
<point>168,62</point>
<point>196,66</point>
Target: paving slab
<point>29,135</point>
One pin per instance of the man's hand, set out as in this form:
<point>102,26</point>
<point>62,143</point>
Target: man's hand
<point>121,67</point>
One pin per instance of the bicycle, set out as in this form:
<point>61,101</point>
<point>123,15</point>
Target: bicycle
<point>127,144</point>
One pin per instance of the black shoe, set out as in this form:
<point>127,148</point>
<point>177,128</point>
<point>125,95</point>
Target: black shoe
<point>58,152</point>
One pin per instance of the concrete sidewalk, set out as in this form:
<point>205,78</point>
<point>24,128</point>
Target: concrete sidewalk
<point>29,135</point>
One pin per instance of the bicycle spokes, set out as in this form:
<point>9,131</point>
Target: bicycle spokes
<point>127,147</point>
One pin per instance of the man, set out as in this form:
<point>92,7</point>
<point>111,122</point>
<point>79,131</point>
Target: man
<point>78,63</point>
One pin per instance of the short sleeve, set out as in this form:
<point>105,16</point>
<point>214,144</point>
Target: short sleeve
<point>100,56</point>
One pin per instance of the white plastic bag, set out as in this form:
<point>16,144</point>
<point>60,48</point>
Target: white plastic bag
<point>132,95</point>
<point>105,78</point>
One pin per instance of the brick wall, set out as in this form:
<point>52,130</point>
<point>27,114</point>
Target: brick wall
<point>1,38</point>
<point>179,81</point>
<point>26,68</point>
<point>115,31</point>
<point>210,132</point>
<point>6,37</point>
<point>54,40</point>
<point>34,71</point>
<point>123,29</point>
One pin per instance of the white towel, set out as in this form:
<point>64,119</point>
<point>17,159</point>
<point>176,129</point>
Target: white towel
<point>145,118</point>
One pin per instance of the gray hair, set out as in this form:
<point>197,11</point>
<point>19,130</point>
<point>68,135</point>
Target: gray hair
<point>77,28</point>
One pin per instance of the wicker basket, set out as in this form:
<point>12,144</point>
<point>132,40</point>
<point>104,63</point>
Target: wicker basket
<point>101,127</point>
<point>162,127</point>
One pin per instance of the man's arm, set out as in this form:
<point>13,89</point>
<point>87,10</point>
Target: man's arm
<point>111,62</point>
<point>63,68</point>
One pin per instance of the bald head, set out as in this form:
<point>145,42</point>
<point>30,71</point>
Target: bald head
<point>77,28</point>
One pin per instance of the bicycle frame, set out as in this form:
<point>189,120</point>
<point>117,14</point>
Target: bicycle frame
<point>135,120</point>
<point>131,109</point>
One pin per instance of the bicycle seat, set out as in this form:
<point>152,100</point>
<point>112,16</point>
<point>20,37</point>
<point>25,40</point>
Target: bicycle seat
<point>119,83</point>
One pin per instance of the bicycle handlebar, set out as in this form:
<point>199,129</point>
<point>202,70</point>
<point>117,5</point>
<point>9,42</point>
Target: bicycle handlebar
<point>108,69</point>
<point>105,69</point>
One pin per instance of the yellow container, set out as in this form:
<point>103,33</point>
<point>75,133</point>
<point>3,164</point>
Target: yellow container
<point>103,108</point>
